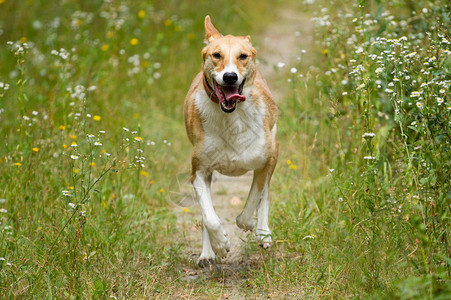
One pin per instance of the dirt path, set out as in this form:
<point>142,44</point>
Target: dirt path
<point>280,43</point>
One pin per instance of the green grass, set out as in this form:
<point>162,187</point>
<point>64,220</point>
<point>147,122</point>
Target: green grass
<point>352,216</point>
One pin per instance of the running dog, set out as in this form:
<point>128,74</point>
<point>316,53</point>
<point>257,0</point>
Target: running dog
<point>230,118</point>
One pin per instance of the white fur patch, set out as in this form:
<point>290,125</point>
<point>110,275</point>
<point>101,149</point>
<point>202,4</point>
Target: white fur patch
<point>230,68</point>
<point>234,142</point>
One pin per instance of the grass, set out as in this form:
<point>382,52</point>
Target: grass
<point>91,117</point>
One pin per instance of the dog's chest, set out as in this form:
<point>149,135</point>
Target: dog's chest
<point>234,143</point>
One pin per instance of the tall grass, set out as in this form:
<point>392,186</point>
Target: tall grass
<point>91,120</point>
<point>91,97</point>
<point>375,114</point>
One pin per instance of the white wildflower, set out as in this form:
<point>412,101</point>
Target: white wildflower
<point>369,157</point>
<point>66,193</point>
<point>369,135</point>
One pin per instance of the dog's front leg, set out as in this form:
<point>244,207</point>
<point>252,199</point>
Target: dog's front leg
<point>258,197</point>
<point>214,237</point>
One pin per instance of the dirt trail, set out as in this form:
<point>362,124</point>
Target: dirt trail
<point>280,43</point>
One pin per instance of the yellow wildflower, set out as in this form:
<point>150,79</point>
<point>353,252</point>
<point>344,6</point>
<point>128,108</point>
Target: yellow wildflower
<point>191,36</point>
<point>144,173</point>
<point>104,47</point>
<point>35,149</point>
<point>141,14</point>
<point>134,41</point>
<point>97,118</point>
<point>168,22</point>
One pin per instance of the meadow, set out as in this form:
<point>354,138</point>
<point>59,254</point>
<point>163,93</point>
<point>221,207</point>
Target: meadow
<point>91,121</point>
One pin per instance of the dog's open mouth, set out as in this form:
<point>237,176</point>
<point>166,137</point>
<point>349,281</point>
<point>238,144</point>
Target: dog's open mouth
<point>229,96</point>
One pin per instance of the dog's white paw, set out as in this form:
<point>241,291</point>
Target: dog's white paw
<point>264,238</point>
<point>219,242</point>
<point>206,258</point>
<point>247,224</point>
<point>205,261</point>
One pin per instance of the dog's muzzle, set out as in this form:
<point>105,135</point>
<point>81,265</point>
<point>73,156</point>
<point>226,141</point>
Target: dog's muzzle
<point>229,96</point>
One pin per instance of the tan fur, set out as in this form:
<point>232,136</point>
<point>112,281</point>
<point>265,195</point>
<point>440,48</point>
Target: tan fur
<point>193,123</point>
<point>231,50</point>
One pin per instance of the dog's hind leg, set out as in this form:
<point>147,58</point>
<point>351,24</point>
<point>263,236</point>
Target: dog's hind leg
<point>214,237</point>
<point>258,197</point>
<point>245,219</point>
<point>262,231</point>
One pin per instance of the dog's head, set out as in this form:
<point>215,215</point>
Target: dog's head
<point>228,64</point>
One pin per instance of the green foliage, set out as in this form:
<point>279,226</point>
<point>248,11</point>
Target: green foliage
<point>384,72</point>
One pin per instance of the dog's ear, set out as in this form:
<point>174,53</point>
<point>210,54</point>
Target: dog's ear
<point>211,33</point>
<point>204,53</point>
<point>248,38</point>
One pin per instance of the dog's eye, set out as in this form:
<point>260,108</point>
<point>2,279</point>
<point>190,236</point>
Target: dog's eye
<point>243,56</point>
<point>216,55</point>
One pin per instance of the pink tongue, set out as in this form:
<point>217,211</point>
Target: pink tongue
<point>232,94</point>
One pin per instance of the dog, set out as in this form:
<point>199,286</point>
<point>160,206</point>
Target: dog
<point>230,118</point>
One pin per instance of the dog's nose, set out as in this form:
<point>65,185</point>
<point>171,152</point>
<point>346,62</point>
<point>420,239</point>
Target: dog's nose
<point>230,77</point>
